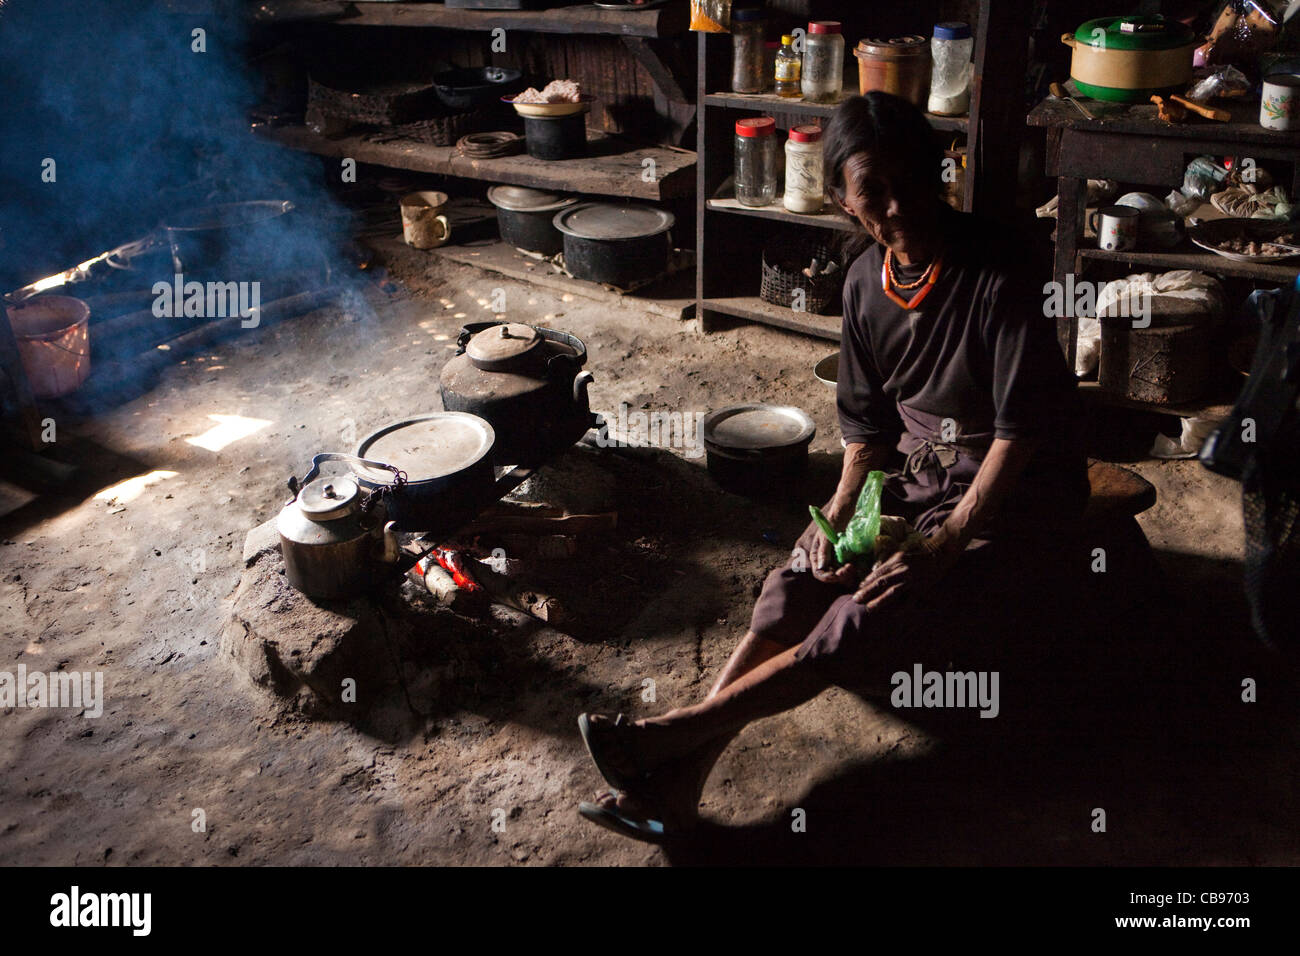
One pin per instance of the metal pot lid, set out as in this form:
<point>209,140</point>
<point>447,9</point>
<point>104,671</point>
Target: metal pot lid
<point>523,199</point>
<point>325,499</point>
<point>503,346</point>
<point>758,427</point>
<point>828,369</point>
<point>1135,33</point>
<point>607,220</point>
<point>911,45</point>
<point>427,446</point>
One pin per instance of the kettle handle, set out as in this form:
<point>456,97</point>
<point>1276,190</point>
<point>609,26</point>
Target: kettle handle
<point>295,484</point>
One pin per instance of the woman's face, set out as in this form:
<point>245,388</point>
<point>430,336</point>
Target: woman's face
<point>895,210</point>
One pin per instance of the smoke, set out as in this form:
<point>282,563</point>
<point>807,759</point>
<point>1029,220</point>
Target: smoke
<point>118,115</point>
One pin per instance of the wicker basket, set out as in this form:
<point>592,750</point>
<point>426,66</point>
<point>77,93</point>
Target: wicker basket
<point>384,104</point>
<point>438,131</point>
<point>783,265</point>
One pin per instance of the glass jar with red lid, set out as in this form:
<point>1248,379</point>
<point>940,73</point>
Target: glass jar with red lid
<point>756,161</point>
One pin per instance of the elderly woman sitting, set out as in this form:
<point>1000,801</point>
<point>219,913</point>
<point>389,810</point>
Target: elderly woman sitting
<point>950,381</point>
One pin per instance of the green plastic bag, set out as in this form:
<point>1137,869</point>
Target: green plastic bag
<point>858,540</point>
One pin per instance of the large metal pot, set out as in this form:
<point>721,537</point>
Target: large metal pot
<point>1130,59</point>
<point>755,449</point>
<point>526,216</point>
<point>230,239</point>
<point>445,460</point>
<point>622,244</point>
<point>527,382</point>
<point>335,542</point>
<point>469,88</point>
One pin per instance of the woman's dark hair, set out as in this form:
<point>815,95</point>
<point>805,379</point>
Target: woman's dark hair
<point>881,123</point>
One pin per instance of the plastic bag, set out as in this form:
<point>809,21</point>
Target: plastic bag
<point>1244,30</point>
<point>1248,202</point>
<point>1126,296</point>
<point>711,16</point>
<point>1202,178</point>
<point>858,539</point>
<point>1223,83</point>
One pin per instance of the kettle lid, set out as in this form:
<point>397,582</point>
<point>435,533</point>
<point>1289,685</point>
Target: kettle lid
<point>501,347</point>
<point>325,499</point>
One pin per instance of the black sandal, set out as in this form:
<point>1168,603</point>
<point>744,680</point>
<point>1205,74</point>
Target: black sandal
<point>647,829</point>
<point>615,779</point>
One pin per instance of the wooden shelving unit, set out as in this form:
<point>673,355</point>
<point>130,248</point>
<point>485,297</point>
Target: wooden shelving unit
<point>728,251</point>
<point>827,219</point>
<point>1130,144</point>
<point>612,169</point>
<point>669,20</point>
<point>1206,408</point>
<point>770,104</point>
<point>1193,257</point>
<point>754,309</point>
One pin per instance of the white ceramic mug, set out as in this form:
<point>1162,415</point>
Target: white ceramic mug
<point>423,225</point>
<point>1116,227</point>
<point>1279,105</point>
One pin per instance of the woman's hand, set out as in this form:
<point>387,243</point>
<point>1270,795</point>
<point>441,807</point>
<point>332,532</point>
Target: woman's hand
<point>905,574</point>
<point>818,551</point>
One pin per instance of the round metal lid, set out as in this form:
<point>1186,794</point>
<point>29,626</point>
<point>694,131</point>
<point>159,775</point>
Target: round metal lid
<point>828,369</point>
<point>427,446</point>
<point>757,427</point>
<point>605,220</point>
<point>523,199</point>
<point>502,346</point>
<point>325,499</point>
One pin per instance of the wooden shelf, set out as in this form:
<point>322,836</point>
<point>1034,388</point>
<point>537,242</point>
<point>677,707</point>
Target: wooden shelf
<point>771,103</point>
<point>1140,119</point>
<point>1201,261</point>
<point>606,172</point>
<point>754,309</point>
<point>586,18</point>
<point>826,220</point>
<point>1207,408</point>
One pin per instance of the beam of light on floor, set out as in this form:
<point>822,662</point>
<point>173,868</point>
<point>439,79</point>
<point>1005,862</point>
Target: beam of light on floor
<point>127,491</point>
<point>229,428</point>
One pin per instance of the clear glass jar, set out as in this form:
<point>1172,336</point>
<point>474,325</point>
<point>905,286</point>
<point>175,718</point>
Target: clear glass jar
<point>756,161</point>
<point>950,52</point>
<point>748,52</point>
<point>822,75</point>
<point>805,184</point>
<point>788,69</point>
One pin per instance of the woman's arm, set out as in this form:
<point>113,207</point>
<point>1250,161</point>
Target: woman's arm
<point>996,478</point>
<point>994,482</point>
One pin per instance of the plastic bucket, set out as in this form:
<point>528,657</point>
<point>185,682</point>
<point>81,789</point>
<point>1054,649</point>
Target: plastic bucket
<point>53,334</point>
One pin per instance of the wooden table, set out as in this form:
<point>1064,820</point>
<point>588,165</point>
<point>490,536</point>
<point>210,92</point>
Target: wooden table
<point>1127,142</point>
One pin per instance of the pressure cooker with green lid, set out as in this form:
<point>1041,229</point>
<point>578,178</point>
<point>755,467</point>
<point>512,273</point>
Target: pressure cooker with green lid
<point>1130,59</point>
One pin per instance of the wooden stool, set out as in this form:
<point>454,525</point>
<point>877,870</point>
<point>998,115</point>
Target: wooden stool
<point>1116,493</point>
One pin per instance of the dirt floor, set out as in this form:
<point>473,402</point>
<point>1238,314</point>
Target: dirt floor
<point>140,587</point>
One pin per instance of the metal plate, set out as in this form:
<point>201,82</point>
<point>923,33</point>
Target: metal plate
<point>606,220</point>
<point>1207,234</point>
<point>523,199</point>
<point>428,446</point>
<point>828,369</point>
<point>757,427</point>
